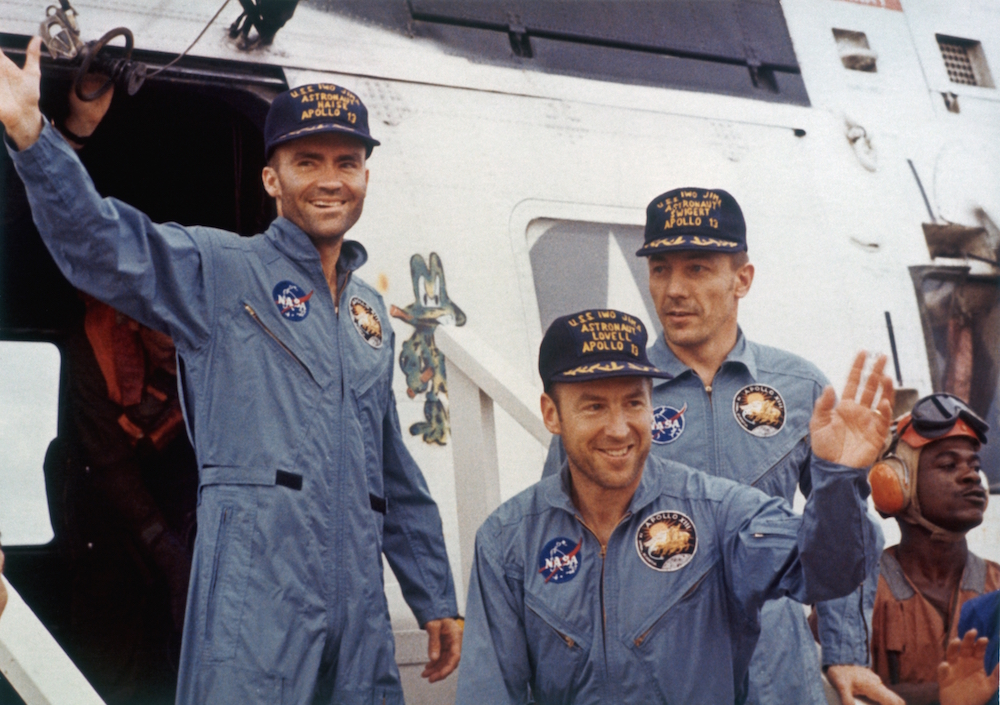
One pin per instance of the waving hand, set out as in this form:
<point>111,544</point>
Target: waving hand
<point>853,431</point>
<point>19,93</point>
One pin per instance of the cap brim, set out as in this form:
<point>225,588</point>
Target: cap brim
<point>677,242</point>
<point>611,368</point>
<point>320,128</point>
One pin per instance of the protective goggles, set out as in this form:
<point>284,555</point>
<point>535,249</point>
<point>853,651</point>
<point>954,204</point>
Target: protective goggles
<point>941,416</point>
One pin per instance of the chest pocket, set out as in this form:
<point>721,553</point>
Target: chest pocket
<point>561,650</point>
<point>672,631</point>
<point>371,400</point>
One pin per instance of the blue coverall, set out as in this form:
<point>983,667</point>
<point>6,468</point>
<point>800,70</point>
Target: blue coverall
<point>700,428</point>
<point>549,610</point>
<point>304,477</point>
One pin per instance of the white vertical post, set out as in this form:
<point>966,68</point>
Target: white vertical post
<point>39,670</point>
<point>477,469</point>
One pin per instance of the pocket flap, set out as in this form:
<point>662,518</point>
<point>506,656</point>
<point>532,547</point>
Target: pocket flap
<point>235,475</point>
<point>679,594</point>
<point>535,604</point>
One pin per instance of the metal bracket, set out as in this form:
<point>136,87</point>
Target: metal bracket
<point>64,42</point>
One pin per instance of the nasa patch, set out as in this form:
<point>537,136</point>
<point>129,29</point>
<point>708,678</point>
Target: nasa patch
<point>760,410</point>
<point>668,424</point>
<point>666,541</point>
<point>291,300</point>
<point>559,560</point>
<point>366,321</point>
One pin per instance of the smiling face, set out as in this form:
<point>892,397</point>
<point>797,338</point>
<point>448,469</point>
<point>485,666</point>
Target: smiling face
<point>949,484</point>
<point>605,427</point>
<point>319,183</point>
<point>696,295</point>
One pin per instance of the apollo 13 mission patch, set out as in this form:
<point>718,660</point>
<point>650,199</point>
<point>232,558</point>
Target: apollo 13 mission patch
<point>666,541</point>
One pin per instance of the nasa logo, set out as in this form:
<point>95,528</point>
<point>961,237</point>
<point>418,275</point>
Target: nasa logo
<point>668,424</point>
<point>291,300</point>
<point>366,321</point>
<point>559,560</point>
<point>759,410</point>
<point>666,541</point>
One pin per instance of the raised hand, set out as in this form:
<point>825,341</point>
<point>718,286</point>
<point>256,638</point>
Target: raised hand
<point>962,677</point>
<point>85,116</point>
<point>19,93</point>
<point>853,431</point>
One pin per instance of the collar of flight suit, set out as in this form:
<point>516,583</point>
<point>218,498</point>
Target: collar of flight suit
<point>661,356</point>
<point>557,490</point>
<point>293,242</point>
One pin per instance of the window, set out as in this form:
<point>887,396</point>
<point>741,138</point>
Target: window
<point>964,61</point>
<point>29,399</point>
<point>603,271</point>
<point>855,53</point>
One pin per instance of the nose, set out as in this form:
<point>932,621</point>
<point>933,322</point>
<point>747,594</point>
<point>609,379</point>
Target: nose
<point>969,474</point>
<point>676,287</point>
<point>617,425</point>
<point>330,177</point>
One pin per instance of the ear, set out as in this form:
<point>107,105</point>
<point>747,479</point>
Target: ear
<point>744,279</point>
<point>550,415</point>
<point>271,183</point>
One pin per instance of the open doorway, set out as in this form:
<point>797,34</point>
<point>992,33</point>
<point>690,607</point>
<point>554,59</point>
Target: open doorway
<point>121,479</point>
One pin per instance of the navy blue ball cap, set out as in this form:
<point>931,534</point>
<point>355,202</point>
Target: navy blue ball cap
<point>694,218</point>
<point>314,108</point>
<point>595,344</point>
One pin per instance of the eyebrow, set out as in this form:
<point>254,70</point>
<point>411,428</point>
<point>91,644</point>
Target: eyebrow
<point>305,154</point>
<point>949,454</point>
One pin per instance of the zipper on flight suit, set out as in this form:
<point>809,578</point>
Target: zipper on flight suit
<point>253,314</point>
<point>566,638</point>
<point>338,293</point>
<point>642,637</point>
<point>220,540</point>
<point>604,553</point>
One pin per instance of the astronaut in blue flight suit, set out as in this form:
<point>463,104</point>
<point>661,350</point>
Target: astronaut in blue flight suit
<point>740,410</point>
<point>631,579</point>
<point>285,360</point>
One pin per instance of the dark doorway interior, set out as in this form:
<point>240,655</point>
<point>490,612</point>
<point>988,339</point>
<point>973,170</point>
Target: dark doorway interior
<point>184,150</point>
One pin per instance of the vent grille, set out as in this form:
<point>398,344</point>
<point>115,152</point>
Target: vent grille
<point>957,61</point>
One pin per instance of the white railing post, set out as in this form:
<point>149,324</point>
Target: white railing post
<point>477,469</point>
<point>32,661</point>
<point>478,377</point>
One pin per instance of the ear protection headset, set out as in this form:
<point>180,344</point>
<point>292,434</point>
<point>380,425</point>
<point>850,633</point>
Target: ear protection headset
<point>891,478</point>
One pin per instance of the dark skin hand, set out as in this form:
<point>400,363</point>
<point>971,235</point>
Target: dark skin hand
<point>444,648</point>
<point>85,116</point>
<point>962,680</point>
